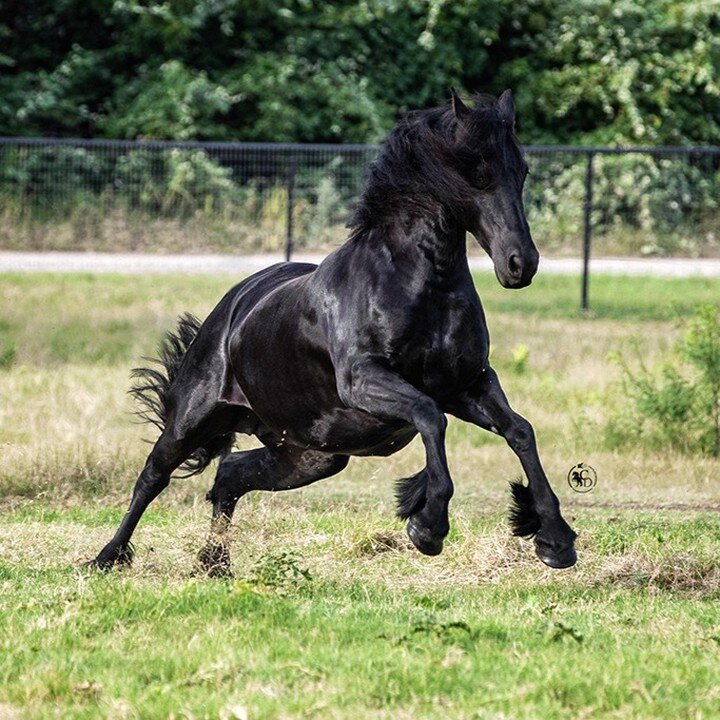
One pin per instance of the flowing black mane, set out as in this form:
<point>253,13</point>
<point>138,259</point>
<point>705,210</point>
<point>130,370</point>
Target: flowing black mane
<point>434,162</point>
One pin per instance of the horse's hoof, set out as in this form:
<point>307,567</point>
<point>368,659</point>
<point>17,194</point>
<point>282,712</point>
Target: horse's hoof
<point>111,557</point>
<point>423,539</point>
<point>557,560</point>
<point>214,561</point>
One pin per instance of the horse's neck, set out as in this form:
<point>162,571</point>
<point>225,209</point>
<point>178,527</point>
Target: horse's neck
<point>439,245</point>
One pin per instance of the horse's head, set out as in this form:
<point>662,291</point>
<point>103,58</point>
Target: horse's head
<point>493,165</point>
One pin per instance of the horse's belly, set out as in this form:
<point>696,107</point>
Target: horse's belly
<point>354,432</point>
<point>308,413</point>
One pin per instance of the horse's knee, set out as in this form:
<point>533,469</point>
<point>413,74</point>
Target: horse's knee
<point>226,468</point>
<point>428,418</point>
<point>520,434</point>
<point>227,486</point>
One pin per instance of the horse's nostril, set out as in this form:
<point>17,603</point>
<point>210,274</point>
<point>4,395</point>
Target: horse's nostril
<point>515,265</point>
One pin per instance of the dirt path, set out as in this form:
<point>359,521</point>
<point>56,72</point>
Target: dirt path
<point>136,263</point>
<point>635,505</point>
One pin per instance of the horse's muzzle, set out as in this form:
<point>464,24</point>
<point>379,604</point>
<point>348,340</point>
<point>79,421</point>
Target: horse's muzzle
<point>512,284</point>
<point>517,269</point>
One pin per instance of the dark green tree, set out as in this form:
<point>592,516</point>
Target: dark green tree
<point>584,71</point>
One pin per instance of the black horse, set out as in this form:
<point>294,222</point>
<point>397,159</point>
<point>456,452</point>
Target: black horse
<point>357,355</point>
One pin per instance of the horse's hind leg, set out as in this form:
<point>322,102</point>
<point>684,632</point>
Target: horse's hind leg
<point>210,431</point>
<point>270,468</point>
<point>165,456</point>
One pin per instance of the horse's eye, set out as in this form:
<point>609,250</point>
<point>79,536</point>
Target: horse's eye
<point>484,175</point>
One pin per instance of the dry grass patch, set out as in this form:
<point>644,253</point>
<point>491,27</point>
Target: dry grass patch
<point>338,547</point>
<point>678,573</point>
<point>9,712</point>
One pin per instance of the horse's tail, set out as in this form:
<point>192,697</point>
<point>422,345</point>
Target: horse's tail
<point>151,390</point>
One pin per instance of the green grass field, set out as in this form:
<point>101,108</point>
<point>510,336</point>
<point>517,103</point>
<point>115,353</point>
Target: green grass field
<point>331,613</point>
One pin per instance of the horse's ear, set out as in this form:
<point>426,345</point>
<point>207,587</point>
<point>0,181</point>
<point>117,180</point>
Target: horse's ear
<point>460,109</point>
<point>506,107</point>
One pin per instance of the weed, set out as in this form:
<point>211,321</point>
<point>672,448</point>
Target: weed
<point>558,630</point>
<point>520,355</point>
<point>677,405</point>
<point>378,543</point>
<point>279,571</point>
<point>455,633</point>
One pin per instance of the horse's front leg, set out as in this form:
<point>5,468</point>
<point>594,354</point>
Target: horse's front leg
<point>367,385</point>
<point>537,510</point>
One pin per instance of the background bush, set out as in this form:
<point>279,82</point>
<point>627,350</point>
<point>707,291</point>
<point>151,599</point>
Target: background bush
<point>661,204</point>
<point>678,404</point>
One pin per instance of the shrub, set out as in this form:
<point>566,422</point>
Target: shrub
<point>642,204</point>
<point>678,404</point>
<point>324,213</point>
<point>176,183</point>
<point>51,178</point>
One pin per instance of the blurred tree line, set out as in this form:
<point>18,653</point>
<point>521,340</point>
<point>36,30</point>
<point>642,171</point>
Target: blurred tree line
<point>583,71</point>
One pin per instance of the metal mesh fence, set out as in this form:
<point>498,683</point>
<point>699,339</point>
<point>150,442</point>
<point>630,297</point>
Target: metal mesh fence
<point>241,198</point>
<point>632,202</point>
<point>106,195</point>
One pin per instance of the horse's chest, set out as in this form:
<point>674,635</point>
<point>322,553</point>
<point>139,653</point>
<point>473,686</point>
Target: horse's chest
<point>444,352</point>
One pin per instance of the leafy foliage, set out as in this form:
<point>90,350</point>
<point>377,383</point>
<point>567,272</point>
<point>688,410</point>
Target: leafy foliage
<point>678,405</point>
<point>280,571</point>
<point>301,70</point>
<point>618,71</point>
<point>171,101</point>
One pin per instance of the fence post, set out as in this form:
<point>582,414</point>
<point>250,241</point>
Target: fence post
<point>587,230</point>
<point>290,203</point>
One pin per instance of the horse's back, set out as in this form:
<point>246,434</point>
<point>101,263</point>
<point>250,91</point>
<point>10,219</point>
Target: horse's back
<point>247,293</point>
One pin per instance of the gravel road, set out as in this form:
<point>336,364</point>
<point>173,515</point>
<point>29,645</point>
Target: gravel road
<point>237,265</point>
